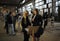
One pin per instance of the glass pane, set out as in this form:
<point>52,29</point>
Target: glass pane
<point>56,9</point>
<point>57,3</point>
<point>40,7</point>
<point>29,4</point>
<point>40,3</point>
<point>44,6</point>
<point>23,9</point>
<point>45,10</point>
<point>37,1</point>
<point>36,7</point>
<point>57,0</point>
<point>47,1</point>
<point>50,5</point>
<point>19,10</point>
<point>50,0</point>
<point>50,10</point>
<point>28,7</point>
<point>36,4</point>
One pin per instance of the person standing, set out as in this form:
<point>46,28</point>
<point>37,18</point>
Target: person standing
<point>14,20</point>
<point>37,21</point>
<point>25,23</point>
<point>10,24</point>
<point>45,18</point>
<point>5,14</point>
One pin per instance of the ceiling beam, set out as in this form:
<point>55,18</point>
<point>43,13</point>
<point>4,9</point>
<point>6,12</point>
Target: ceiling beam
<point>27,2</point>
<point>20,1</point>
<point>5,4</point>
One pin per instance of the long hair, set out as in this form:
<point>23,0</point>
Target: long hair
<point>36,10</point>
<point>25,12</point>
<point>10,13</point>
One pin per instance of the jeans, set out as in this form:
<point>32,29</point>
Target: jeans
<point>11,29</point>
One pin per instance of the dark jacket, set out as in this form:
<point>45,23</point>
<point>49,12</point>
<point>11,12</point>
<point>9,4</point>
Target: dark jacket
<point>37,21</point>
<point>9,19</point>
<point>24,23</point>
<point>45,15</point>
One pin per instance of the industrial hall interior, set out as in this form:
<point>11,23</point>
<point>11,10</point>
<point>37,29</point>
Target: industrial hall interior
<point>29,20</point>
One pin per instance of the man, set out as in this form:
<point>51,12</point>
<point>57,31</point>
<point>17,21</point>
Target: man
<point>10,24</point>
<point>14,20</point>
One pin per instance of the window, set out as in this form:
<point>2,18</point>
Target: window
<point>47,1</point>
<point>45,10</point>
<point>37,7</point>
<point>50,0</point>
<point>57,3</point>
<point>29,4</point>
<point>41,7</point>
<point>50,10</point>
<point>37,1</point>
<point>57,0</point>
<point>44,6</point>
<point>56,10</point>
<point>50,5</point>
<point>41,3</point>
<point>28,7</point>
<point>19,10</point>
<point>36,4</point>
<point>23,9</point>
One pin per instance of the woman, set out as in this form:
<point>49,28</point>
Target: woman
<point>37,21</point>
<point>25,24</point>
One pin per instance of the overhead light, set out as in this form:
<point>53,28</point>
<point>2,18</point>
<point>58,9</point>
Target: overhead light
<point>22,2</point>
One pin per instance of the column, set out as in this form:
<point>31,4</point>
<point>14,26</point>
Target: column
<point>59,12</point>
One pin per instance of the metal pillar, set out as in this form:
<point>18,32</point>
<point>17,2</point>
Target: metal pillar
<point>58,12</point>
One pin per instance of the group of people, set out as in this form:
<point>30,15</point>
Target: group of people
<point>36,20</point>
<point>10,21</point>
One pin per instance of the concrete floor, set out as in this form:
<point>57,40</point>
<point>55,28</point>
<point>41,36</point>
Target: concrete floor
<point>50,34</point>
